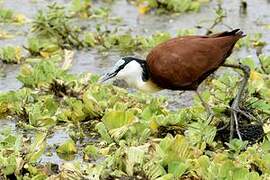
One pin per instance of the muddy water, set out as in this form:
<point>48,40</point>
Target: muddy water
<point>85,61</point>
<point>92,61</point>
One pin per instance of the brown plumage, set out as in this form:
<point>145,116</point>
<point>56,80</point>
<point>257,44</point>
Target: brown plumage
<point>183,63</point>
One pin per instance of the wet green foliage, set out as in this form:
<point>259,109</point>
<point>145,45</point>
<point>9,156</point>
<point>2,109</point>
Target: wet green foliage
<point>137,135</point>
<point>41,74</point>
<point>56,26</point>
<point>55,23</point>
<point>11,55</point>
<point>8,16</point>
<point>252,41</point>
<point>120,134</point>
<point>81,8</point>
<point>17,155</point>
<point>45,47</point>
<point>172,6</point>
<point>127,42</point>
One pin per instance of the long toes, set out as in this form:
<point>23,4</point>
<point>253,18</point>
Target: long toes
<point>235,122</point>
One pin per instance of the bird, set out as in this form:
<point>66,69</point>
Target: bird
<point>182,64</point>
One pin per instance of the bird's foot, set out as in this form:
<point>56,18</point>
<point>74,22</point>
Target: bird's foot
<point>246,114</point>
<point>234,124</point>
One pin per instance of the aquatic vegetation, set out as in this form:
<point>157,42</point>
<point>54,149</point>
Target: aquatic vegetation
<point>5,35</point>
<point>56,23</point>
<point>18,156</point>
<point>123,42</point>
<point>252,41</point>
<point>54,30</point>
<point>172,6</point>
<point>85,9</point>
<point>81,8</point>
<point>137,135</point>
<point>8,16</point>
<point>112,133</point>
<point>10,54</point>
<point>44,47</point>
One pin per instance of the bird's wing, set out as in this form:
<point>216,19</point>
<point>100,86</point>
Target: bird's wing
<point>184,61</point>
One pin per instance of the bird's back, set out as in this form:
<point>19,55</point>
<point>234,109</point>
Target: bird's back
<point>183,63</point>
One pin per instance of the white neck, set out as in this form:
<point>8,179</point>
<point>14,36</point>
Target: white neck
<point>132,74</point>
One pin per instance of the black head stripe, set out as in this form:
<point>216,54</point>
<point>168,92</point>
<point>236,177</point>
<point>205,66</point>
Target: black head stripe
<point>146,75</point>
<point>119,68</point>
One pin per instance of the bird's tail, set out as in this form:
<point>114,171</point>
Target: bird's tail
<point>235,32</point>
<point>238,32</point>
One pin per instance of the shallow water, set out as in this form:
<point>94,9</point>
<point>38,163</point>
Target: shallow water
<point>92,61</point>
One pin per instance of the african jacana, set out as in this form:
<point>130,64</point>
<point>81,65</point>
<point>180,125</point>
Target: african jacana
<point>181,63</point>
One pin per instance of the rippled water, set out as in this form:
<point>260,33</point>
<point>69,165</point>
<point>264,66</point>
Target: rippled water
<point>92,61</point>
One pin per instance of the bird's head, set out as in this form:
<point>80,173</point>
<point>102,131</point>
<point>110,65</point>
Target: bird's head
<point>130,69</point>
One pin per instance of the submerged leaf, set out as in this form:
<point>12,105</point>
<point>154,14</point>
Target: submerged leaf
<point>68,147</point>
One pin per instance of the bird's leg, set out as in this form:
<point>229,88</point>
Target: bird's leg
<point>235,105</point>
<point>206,106</point>
<point>181,92</point>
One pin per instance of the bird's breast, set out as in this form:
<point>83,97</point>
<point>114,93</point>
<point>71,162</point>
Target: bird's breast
<point>148,86</point>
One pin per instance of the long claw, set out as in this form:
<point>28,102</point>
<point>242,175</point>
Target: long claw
<point>237,99</point>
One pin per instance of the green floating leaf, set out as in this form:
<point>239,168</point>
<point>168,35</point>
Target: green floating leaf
<point>135,155</point>
<point>175,149</point>
<point>177,168</point>
<point>249,62</point>
<point>265,63</point>
<point>90,40</point>
<point>8,165</point>
<point>201,132</point>
<point>92,107</point>
<point>38,147</point>
<point>75,110</point>
<point>10,157</point>
<point>55,22</point>
<point>8,16</point>
<point>100,127</point>
<point>10,54</point>
<point>91,150</point>
<point>42,46</point>
<point>13,102</point>
<point>117,119</point>
<point>42,113</point>
<point>41,74</point>
<point>67,147</point>
<point>153,170</point>
<point>81,8</point>
<point>237,145</point>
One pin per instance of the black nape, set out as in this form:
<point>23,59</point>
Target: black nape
<point>145,73</point>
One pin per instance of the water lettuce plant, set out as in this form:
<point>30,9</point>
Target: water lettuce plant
<point>172,6</point>
<point>81,8</point>
<point>8,16</point>
<point>136,135</point>
<point>11,55</point>
<point>114,134</point>
<point>55,23</point>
